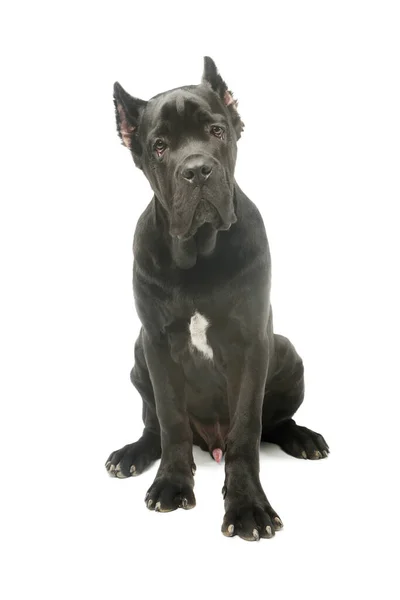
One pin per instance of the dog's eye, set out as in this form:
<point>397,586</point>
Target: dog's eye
<point>217,131</point>
<point>159,146</point>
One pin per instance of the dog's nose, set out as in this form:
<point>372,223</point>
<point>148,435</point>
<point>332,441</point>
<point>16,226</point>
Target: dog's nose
<point>197,169</point>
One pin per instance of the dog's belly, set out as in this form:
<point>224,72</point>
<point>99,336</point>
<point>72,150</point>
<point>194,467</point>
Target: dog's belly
<point>205,387</point>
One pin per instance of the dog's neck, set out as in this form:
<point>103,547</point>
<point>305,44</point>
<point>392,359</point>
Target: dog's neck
<point>185,253</point>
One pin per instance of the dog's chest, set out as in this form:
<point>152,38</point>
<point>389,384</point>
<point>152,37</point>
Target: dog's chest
<point>198,335</point>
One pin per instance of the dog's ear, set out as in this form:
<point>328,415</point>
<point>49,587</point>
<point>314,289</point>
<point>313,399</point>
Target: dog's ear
<point>212,78</point>
<point>128,111</point>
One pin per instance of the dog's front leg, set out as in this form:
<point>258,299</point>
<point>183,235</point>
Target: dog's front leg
<point>173,485</point>
<point>248,512</point>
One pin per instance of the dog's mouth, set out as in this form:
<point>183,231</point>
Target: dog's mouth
<point>205,212</point>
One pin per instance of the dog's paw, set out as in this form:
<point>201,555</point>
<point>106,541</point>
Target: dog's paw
<point>300,442</point>
<point>250,520</point>
<point>134,458</point>
<point>169,493</point>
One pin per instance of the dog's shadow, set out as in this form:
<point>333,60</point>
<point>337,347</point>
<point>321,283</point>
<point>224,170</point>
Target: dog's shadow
<point>203,459</point>
<point>267,449</point>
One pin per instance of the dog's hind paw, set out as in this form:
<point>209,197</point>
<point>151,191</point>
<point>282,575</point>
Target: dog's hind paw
<point>133,459</point>
<point>298,441</point>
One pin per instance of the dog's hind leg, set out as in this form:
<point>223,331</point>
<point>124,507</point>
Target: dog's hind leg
<point>134,458</point>
<point>283,396</point>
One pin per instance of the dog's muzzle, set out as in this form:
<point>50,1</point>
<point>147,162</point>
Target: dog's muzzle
<point>206,198</point>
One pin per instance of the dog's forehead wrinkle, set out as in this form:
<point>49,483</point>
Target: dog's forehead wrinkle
<point>176,99</point>
<point>179,108</point>
<point>180,105</point>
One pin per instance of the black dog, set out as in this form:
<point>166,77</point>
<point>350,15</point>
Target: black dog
<point>208,366</point>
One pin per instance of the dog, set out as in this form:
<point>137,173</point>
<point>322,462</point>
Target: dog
<point>208,366</point>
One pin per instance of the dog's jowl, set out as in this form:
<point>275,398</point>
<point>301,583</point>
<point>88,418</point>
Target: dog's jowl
<point>208,366</point>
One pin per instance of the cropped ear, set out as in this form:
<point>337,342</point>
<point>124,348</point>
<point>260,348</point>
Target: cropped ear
<point>212,78</point>
<point>128,111</point>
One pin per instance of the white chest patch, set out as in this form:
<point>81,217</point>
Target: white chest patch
<point>197,328</point>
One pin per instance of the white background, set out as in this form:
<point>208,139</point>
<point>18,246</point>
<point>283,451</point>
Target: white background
<point>318,90</point>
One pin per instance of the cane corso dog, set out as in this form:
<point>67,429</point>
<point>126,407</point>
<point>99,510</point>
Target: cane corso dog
<point>208,366</point>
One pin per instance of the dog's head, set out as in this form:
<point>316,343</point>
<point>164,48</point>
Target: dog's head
<point>184,140</point>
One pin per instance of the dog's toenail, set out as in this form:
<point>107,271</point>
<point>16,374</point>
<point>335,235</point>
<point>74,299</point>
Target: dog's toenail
<point>278,521</point>
<point>256,535</point>
<point>317,454</point>
<point>231,529</point>
<point>157,507</point>
<point>304,454</point>
<point>193,470</point>
<point>132,469</point>
<point>268,529</point>
<point>108,463</point>
<point>149,504</point>
<point>324,452</point>
<point>184,503</point>
<point>118,472</point>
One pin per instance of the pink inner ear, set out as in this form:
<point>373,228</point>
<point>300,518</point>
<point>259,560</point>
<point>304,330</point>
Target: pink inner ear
<point>228,98</point>
<point>125,128</point>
